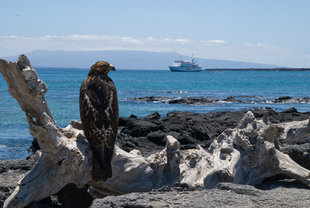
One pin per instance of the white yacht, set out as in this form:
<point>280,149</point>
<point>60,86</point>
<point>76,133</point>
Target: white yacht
<point>185,66</point>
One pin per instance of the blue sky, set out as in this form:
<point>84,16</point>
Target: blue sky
<point>262,31</point>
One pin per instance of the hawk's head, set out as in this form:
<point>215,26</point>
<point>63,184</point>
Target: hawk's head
<point>101,67</point>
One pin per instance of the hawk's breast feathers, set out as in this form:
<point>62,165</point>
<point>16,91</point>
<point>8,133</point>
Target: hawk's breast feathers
<point>99,110</point>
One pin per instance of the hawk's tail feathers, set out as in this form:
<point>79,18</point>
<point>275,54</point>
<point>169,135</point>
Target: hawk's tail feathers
<point>102,168</point>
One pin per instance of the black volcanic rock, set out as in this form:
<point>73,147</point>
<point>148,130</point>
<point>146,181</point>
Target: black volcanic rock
<point>298,149</point>
<point>10,173</point>
<point>190,101</point>
<point>12,170</point>
<point>291,110</point>
<point>152,116</point>
<point>71,196</point>
<point>157,137</point>
<point>288,99</point>
<point>24,165</point>
<point>140,127</point>
<point>210,100</point>
<point>147,134</point>
<point>282,99</point>
<point>299,153</point>
<point>284,193</point>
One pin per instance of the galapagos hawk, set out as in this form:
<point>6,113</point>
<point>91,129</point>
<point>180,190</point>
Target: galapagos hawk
<point>99,116</point>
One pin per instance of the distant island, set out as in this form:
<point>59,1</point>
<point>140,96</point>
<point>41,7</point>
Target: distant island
<point>258,69</point>
<point>126,59</point>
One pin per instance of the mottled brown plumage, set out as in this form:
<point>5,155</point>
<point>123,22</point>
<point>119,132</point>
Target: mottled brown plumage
<point>99,116</point>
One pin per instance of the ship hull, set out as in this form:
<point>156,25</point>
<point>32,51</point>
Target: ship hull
<point>184,69</point>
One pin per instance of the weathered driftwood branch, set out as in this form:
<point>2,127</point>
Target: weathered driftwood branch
<point>64,156</point>
<point>246,154</point>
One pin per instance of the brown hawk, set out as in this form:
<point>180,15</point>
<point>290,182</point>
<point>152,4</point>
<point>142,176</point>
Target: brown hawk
<point>99,116</point>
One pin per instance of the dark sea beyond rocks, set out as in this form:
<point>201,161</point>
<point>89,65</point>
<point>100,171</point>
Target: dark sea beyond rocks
<point>147,135</point>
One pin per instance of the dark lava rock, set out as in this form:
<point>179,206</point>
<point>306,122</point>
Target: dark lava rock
<point>157,137</point>
<point>190,101</point>
<point>152,116</point>
<point>298,150</point>
<point>291,110</point>
<point>140,127</point>
<point>282,99</point>
<point>70,196</point>
<point>10,173</point>
<point>24,165</point>
<point>208,100</point>
<point>147,134</point>
<point>151,99</point>
<point>132,116</point>
<point>232,99</point>
<point>288,99</point>
<point>274,194</point>
<point>34,146</point>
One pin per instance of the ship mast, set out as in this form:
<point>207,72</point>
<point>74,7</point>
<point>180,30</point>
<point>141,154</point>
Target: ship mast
<point>193,60</point>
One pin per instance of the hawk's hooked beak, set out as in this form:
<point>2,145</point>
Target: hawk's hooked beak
<point>112,67</point>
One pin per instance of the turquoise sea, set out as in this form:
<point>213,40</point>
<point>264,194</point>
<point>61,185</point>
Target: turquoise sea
<point>63,94</point>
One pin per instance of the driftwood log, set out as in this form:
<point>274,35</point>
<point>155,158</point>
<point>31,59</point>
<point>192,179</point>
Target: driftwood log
<point>246,154</point>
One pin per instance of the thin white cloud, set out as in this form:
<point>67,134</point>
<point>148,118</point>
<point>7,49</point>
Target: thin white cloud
<point>183,41</point>
<point>217,41</point>
<point>213,49</point>
<point>8,37</point>
<point>255,44</point>
<point>178,40</point>
<point>11,45</point>
<point>131,40</point>
<point>76,37</point>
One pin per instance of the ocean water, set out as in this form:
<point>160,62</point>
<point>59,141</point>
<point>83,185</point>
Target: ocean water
<point>259,88</point>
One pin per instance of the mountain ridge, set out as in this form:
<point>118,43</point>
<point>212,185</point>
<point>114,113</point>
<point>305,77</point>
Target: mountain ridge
<point>125,59</point>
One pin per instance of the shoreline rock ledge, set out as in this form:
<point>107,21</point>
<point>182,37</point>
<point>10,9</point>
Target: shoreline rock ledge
<point>285,193</point>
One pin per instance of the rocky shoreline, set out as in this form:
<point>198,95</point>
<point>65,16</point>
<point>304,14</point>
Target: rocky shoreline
<point>284,193</point>
<point>148,136</point>
<point>212,100</point>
